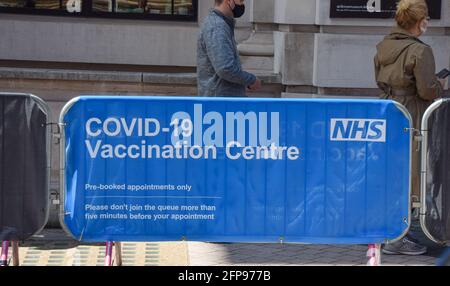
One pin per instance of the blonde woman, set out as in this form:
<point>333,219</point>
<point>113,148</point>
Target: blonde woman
<point>405,71</point>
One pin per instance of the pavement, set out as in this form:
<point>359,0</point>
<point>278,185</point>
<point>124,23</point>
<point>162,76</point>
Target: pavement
<point>52,247</point>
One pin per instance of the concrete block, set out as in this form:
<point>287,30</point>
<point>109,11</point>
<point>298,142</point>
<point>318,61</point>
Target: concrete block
<point>441,50</point>
<point>259,44</point>
<point>241,33</point>
<point>257,63</point>
<point>297,95</point>
<point>344,60</point>
<point>108,41</point>
<point>294,54</point>
<point>347,60</point>
<point>259,50</point>
<point>268,78</point>
<point>295,12</point>
<point>262,11</point>
<point>279,39</point>
<point>446,12</point>
<point>78,75</point>
<point>260,38</point>
<point>170,78</point>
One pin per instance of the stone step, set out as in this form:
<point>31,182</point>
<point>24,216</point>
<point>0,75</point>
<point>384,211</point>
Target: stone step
<point>260,38</point>
<point>257,63</point>
<point>258,44</point>
<point>266,50</point>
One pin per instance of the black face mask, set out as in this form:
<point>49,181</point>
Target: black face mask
<point>238,10</point>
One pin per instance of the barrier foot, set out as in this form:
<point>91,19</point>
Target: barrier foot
<point>4,253</point>
<point>118,254</point>
<point>108,253</point>
<point>15,253</point>
<point>374,254</point>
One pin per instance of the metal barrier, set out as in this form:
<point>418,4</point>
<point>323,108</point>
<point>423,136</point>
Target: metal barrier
<point>24,169</point>
<point>235,170</point>
<point>435,179</point>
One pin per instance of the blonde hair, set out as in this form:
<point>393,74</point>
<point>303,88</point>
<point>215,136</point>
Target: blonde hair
<point>409,12</point>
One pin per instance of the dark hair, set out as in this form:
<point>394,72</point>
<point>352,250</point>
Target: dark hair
<point>218,2</point>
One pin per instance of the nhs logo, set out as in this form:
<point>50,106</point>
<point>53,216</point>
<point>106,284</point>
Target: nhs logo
<point>364,130</point>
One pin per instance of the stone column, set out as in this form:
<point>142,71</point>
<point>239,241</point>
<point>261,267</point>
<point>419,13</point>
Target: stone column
<point>257,51</point>
<point>294,43</point>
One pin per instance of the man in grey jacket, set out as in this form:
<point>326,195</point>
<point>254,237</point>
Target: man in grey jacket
<point>219,69</point>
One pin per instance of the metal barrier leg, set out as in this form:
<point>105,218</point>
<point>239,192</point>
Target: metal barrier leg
<point>108,253</point>
<point>15,252</point>
<point>118,254</point>
<point>374,254</point>
<point>4,254</point>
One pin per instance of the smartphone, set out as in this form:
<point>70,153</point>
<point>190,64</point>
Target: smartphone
<point>443,73</point>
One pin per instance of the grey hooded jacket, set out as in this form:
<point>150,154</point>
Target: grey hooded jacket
<point>219,70</point>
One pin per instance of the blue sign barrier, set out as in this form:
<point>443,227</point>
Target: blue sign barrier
<point>235,170</point>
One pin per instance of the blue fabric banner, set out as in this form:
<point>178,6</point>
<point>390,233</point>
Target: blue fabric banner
<point>236,169</point>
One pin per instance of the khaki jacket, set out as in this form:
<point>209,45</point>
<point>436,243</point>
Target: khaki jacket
<point>405,71</point>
